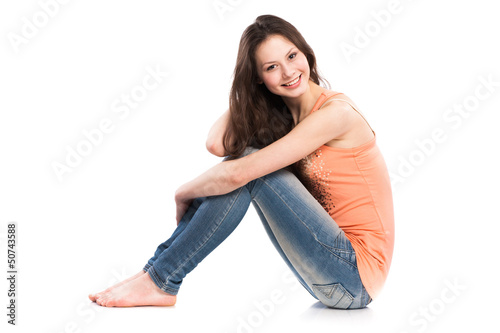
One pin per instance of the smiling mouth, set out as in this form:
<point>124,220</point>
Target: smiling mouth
<point>291,83</point>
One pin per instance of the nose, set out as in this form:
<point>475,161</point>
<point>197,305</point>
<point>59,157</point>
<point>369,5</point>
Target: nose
<point>288,72</point>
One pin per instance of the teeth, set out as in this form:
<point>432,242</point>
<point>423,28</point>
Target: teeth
<point>293,82</point>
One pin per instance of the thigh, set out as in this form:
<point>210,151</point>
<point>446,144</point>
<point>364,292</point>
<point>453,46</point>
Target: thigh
<point>310,240</point>
<point>277,245</point>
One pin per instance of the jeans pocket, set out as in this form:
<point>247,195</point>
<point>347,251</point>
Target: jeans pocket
<point>333,295</point>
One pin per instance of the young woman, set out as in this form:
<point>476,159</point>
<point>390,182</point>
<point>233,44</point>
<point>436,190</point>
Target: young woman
<point>306,159</point>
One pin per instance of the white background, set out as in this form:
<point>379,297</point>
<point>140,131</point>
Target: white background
<point>103,220</point>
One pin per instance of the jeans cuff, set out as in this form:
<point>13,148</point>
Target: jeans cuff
<point>156,279</point>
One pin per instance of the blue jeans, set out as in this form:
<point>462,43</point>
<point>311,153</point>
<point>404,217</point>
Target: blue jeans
<point>307,238</point>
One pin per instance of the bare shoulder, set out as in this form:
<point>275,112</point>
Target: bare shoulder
<point>358,131</point>
<point>336,109</point>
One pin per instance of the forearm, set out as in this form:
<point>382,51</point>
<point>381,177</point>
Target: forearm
<point>220,179</point>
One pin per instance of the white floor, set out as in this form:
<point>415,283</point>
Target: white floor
<point>422,82</point>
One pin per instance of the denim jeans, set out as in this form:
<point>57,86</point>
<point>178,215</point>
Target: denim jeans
<point>310,242</point>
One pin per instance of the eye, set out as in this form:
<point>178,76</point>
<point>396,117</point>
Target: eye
<point>270,67</point>
<point>293,55</point>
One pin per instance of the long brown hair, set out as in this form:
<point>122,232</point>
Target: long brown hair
<point>257,116</point>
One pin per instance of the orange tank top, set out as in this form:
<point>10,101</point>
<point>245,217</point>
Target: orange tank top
<point>353,186</point>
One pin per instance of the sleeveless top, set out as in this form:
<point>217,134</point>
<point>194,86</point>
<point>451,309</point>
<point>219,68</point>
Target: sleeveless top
<point>353,186</point>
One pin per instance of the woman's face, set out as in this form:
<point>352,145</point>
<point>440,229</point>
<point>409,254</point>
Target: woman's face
<point>282,67</point>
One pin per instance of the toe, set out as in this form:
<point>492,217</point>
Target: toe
<point>100,300</point>
<point>109,303</point>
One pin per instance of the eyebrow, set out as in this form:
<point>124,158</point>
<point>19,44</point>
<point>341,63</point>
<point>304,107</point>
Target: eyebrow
<point>275,60</point>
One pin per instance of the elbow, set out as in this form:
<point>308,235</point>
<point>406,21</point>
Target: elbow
<point>215,149</point>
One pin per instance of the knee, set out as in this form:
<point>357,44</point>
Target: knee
<point>248,150</point>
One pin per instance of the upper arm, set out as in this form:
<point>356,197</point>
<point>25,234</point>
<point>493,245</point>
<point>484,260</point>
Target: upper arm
<point>216,134</point>
<point>316,129</point>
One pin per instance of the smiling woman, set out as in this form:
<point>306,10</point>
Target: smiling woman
<point>271,54</point>
<point>307,162</point>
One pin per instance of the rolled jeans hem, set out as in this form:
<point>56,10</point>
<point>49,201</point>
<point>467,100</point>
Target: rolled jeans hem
<point>156,279</point>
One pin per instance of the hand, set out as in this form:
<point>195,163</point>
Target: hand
<point>182,206</point>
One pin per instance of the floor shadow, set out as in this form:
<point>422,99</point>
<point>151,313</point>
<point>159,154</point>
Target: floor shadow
<point>320,312</point>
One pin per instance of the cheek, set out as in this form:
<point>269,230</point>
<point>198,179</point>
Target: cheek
<point>271,79</point>
<point>303,63</point>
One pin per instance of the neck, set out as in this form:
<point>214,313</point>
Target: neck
<point>301,106</point>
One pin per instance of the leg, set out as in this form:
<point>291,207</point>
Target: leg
<point>309,240</point>
<point>213,221</point>
<point>180,228</point>
<point>205,225</point>
<point>163,246</point>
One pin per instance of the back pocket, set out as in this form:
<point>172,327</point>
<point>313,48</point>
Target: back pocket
<point>333,295</point>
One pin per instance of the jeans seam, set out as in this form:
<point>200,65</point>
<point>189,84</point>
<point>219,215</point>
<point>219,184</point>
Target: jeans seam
<point>329,249</point>
<point>312,233</point>
<point>366,297</point>
<point>208,238</point>
<point>340,250</point>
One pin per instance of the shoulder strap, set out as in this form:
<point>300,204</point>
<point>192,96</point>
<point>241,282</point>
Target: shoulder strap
<point>339,99</point>
<point>327,98</point>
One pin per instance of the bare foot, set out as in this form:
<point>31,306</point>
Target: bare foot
<point>93,297</point>
<point>138,292</point>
